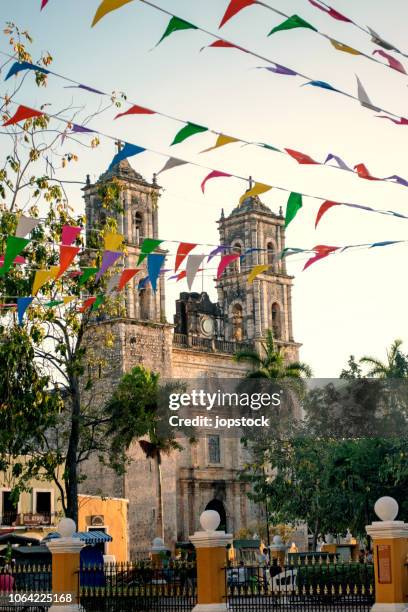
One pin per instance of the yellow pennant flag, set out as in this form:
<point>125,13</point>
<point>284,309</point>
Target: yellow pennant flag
<point>42,277</point>
<point>106,7</point>
<point>113,241</point>
<point>221,141</point>
<point>257,189</point>
<point>341,47</point>
<point>257,270</point>
<point>68,299</point>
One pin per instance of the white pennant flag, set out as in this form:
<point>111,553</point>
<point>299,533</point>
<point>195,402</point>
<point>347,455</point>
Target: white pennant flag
<point>26,225</point>
<point>192,267</point>
<point>172,162</point>
<point>363,97</point>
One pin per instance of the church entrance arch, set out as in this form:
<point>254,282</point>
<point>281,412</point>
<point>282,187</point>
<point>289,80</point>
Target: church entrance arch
<point>218,506</point>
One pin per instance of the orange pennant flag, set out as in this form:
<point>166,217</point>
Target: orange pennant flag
<point>221,141</point>
<point>67,255</point>
<point>341,47</point>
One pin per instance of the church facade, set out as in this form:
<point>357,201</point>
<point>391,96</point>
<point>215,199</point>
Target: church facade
<point>199,343</point>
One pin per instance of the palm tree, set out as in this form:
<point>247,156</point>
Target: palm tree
<point>271,363</point>
<point>135,410</point>
<point>396,365</point>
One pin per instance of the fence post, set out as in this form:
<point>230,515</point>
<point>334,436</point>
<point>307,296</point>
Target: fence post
<point>156,552</point>
<point>65,566</point>
<point>211,551</point>
<point>390,546</point>
<point>278,550</point>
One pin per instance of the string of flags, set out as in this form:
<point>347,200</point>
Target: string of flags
<point>190,129</point>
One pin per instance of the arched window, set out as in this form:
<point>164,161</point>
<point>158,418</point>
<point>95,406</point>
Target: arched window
<point>237,250</point>
<point>276,321</point>
<point>270,254</point>
<point>138,227</point>
<point>237,323</point>
<point>144,304</point>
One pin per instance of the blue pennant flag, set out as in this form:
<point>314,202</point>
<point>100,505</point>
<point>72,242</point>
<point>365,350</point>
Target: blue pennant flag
<point>154,264</point>
<point>143,282</point>
<point>321,84</point>
<point>19,66</point>
<point>127,151</point>
<point>22,305</point>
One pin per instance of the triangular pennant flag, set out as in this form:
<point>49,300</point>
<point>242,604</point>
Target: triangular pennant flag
<point>378,40</point>
<point>345,48</point>
<point>26,225</point>
<point>43,4</point>
<point>113,241</point>
<point>341,164</point>
<point>256,190</point>
<point>323,209</point>
<point>20,66</point>
<point>172,162</point>
<point>86,275</point>
<point>68,299</point>
<point>212,175</point>
<point>364,173</point>
<point>42,277</point>
<point>225,261</point>
<point>321,84</point>
<point>223,44</point>
<point>143,282</point>
<point>21,114</point>
<point>106,7</point>
<point>182,252</point>
<point>148,246</point>
<point>292,22</point>
<point>290,251</point>
<point>301,158</point>
<point>99,300</point>
<point>385,243</point>
<point>400,121</point>
<point>234,7</point>
<point>176,24</point>
<point>67,256</point>
<point>363,97</point>
<point>392,62</point>
<point>69,234</point>
<point>14,246</point>
<point>128,151</point>
<point>278,69</point>
<point>17,260</point>
<point>108,259</point>
<point>293,206</point>
<point>192,267</point>
<point>81,129</point>
<point>22,305</point>
<point>126,276</point>
<point>87,304</point>
<point>330,11</point>
<point>188,130</point>
<point>269,147</point>
<point>321,252</point>
<point>221,141</point>
<point>53,303</point>
<point>154,264</point>
<point>257,270</point>
<point>217,251</point>
<point>136,110</point>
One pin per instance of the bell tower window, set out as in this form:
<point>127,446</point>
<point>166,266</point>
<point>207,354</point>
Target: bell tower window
<point>138,227</point>
<point>276,321</point>
<point>237,323</point>
<point>270,254</point>
<point>237,250</point>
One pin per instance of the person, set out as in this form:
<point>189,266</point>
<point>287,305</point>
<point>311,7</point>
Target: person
<point>242,573</point>
<point>264,563</point>
<point>369,556</point>
<point>7,580</point>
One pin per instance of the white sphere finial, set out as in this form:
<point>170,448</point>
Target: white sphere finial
<point>66,528</point>
<point>386,508</point>
<point>277,540</point>
<point>209,520</point>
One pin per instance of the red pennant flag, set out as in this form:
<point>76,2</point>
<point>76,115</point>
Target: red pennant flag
<point>301,158</point>
<point>393,63</point>
<point>21,114</point>
<point>43,4</point>
<point>331,11</point>
<point>234,7</point>
<point>136,110</point>
<point>323,209</point>
<point>182,252</point>
<point>87,304</point>
<point>213,174</point>
<point>225,261</point>
<point>363,172</point>
<point>126,276</point>
<point>322,251</point>
<point>400,121</point>
<point>67,255</point>
<point>223,44</point>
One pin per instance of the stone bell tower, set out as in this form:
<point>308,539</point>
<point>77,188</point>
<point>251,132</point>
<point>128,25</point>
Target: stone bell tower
<point>258,235</point>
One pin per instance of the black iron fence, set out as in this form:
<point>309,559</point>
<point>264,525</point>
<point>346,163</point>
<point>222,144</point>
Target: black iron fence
<point>126,587</point>
<point>329,587</point>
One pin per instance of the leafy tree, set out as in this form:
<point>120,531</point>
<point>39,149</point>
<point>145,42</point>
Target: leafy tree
<point>396,365</point>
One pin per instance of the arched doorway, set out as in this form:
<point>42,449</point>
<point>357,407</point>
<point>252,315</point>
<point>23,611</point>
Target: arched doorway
<point>218,506</point>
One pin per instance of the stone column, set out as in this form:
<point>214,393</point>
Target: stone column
<point>211,553</point>
<point>390,546</point>
<point>65,567</point>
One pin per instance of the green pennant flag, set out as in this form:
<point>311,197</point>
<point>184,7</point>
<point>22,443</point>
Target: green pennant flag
<point>148,246</point>
<point>99,300</point>
<point>86,275</point>
<point>188,130</point>
<point>176,24</point>
<point>294,204</point>
<point>270,147</point>
<point>53,303</point>
<point>14,246</point>
<point>292,22</point>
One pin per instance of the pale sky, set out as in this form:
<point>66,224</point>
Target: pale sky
<point>351,303</point>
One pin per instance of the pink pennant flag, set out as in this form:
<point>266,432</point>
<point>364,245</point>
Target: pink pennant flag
<point>69,234</point>
<point>330,11</point>
<point>43,4</point>
<point>322,251</point>
<point>225,261</point>
<point>400,121</point>
<point>392,62</point>
<point>212,175</point>
<point>18,260</point>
